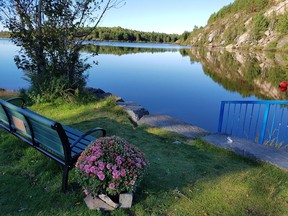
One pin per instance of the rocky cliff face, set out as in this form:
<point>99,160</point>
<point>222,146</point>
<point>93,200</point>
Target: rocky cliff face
<point>263,29</point>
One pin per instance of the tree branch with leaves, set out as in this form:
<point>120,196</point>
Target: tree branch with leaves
<point>51,34</point>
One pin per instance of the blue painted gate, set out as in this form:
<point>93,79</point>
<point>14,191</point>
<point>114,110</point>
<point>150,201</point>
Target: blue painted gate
<point>265,122</point>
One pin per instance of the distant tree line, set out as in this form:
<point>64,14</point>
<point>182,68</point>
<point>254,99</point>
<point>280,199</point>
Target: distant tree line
<point>127,35</point>
<point>121,34</point>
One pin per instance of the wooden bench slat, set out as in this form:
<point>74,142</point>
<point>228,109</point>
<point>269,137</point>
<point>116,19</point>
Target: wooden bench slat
<point>82,144</point>
<point>48,132</point>
<point>76,152</point>
<point>73,137</point>
<point>79,147</point>
<point>72,133</point>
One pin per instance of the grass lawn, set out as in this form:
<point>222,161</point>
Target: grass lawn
<point>192,178</point>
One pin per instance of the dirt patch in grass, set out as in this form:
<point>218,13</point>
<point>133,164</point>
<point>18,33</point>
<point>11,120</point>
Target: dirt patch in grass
<point>7,94</point>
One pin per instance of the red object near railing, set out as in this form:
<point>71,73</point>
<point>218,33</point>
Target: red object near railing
<point>283,86</point>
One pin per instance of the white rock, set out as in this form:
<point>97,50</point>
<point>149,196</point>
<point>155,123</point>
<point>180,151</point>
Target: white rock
<point>125,200</point>
<point>229,140</point>
<point>243,38</point>
<point>177,142</point>
<point>96,203</point>
<point>107,200</point>
<point>278,9</point>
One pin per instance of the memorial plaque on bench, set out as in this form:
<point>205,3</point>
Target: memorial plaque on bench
<point>19,124</point>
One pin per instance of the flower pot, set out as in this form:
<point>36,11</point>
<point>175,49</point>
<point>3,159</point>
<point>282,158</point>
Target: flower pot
<point>125,200</point>
<point>110,165</point>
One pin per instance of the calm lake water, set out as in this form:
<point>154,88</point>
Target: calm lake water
<point>185,83</point>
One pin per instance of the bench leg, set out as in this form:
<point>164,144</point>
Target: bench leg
<point>65,179</point>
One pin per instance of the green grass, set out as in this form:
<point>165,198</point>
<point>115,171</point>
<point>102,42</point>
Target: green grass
<point>193,178</point>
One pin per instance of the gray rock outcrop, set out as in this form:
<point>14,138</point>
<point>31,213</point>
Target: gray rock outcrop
<point>135,111</point>
<point>174,125</point>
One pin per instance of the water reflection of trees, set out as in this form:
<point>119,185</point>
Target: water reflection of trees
<point>115,50</point>
<point>249,73</point>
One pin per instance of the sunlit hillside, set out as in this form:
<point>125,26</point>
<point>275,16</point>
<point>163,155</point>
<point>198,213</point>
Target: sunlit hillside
<point>258,24</point>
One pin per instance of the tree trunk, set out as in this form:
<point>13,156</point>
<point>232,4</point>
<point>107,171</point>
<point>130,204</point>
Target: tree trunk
<point>40,48</point>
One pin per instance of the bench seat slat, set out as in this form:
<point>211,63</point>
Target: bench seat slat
<point>76,152</point>
<point>79,147</point>
<point>74,137</point>
<point>82,144</point>
<point>73,133</point>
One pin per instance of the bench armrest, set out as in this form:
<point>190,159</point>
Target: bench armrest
<point>17,98</point>
<point>86,134</point>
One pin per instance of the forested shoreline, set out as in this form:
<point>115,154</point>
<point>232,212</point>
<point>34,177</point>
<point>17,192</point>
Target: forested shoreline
<point>122,35</point>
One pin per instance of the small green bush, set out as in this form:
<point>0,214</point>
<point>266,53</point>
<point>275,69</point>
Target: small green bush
<point>282,23</point>
<point>272,45</point>
<point>232,32</point>
<point>49,91</point>
<point>260,25</point>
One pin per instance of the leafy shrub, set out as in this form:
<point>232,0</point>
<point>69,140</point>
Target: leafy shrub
<point>50,90</point>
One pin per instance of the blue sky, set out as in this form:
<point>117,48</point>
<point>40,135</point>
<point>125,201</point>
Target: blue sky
<point>163,15</point>
<point>169,16</point>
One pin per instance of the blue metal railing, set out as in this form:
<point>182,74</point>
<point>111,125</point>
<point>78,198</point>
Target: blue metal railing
<point>260,121</point>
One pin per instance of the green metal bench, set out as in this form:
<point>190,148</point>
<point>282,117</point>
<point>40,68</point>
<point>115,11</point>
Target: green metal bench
<point>59,142</point>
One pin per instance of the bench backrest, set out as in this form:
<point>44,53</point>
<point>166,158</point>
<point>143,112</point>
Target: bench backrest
<point>38,130</point>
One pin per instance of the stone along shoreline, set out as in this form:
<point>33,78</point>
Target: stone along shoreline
<point>138,115</point>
